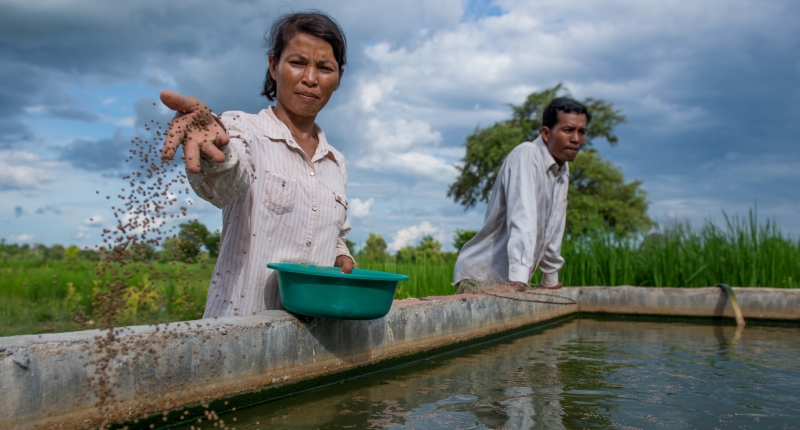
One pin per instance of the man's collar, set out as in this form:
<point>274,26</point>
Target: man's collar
<point>274,129</point>
<point>550,162</point>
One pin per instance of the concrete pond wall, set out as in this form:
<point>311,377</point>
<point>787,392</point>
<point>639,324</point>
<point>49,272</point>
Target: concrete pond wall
<point>169,372</point>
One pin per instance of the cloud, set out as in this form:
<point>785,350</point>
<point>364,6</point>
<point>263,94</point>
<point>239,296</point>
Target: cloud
<point>98,155</point>
<point>20,170</point>
<point>409,164</point>
<point>53,209</point>
<point>83,233</point>
<point>95,221</point>
<point>359,209</point>
<point>73,114</point>
<point>409,235</point>
<point>21,238</point>
<point>18,211</point>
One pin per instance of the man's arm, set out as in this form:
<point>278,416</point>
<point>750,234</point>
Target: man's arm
<point>552,261</point>
<point>518,175</point>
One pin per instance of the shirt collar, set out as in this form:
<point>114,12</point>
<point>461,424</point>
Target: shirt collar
<point>550,162</point>
<point>274,129</point>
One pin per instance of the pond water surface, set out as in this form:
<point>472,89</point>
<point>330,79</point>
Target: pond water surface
<point>582,373</point>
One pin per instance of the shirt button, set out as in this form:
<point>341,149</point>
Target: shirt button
<point>308,244</point>
<point>311,173</point>
<point>314,208</point>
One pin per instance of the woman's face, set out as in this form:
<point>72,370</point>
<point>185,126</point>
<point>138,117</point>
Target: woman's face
<point>306,75</point>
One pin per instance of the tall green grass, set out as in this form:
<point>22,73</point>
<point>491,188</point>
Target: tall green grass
<point>35,296</point>
<point>741,253</point>
<point>40,297</point>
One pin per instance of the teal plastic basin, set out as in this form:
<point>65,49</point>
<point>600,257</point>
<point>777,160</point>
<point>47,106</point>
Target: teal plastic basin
<point>323,292</point>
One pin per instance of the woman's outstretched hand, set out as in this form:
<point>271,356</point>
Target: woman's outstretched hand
<point>196,128</point>
<point>346,263</point>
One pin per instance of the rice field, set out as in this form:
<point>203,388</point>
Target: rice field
<point>48,296</point>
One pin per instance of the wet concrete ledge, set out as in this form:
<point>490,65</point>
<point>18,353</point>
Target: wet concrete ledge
<point>43,379</point>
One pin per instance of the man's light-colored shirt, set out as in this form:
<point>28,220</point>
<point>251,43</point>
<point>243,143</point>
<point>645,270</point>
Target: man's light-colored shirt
<point>279,206</point>
<point>525,219</point>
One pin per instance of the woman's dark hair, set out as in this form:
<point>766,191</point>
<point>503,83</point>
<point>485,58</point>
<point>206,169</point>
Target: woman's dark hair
<point>315,24</point>
<point>563,104</point>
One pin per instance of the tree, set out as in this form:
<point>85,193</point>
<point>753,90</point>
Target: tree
<point>191,237</point>
<point>600,199</point>
<point>488,147</point>
<point>141,251</point>
<point>375,249</point>
<point>211,242</point>
<point>461,237</point>
<point>55,252</point>
<point>72,252</point>
<point>429,250</point>
<point>351,246</point>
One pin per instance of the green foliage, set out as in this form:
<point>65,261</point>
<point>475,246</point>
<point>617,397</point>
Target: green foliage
<point>375,249</point>
<point>600,200</point>
<point>55,252</point>
<point>72,253</point>
<point>191,238</point>
<point>141,251</point>
<point>351,246</point>
<point>597,180</point>
<point>461,237</point>
<point>211,242</point>
<point>40,297</point>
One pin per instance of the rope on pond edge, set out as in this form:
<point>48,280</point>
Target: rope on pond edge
<point>568,301</point>
<point>737,310</point>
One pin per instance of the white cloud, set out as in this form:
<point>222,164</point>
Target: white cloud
<point>401,134</point>
<point>360,209</point>
<point>21,238</point>
<point>409,235</point>
<point>94,221</point>
<point>21,170</point>
<point>126,121</point>
<point>83,233</point>
<point>409,163</point>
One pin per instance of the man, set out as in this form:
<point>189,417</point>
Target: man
<point>527,210</point>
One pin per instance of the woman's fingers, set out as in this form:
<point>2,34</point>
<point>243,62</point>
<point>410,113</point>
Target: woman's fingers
<point>174,137</point>
<point>195,128</point>
<point>346,263</point>
<point>210,150</point>
<point>221,139</point>
<point>179,103</point>
<point>191,154</point>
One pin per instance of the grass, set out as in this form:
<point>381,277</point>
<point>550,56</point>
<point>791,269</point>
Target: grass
<point>37,297</point>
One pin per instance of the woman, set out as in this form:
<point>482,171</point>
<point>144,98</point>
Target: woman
<point>280,184</point>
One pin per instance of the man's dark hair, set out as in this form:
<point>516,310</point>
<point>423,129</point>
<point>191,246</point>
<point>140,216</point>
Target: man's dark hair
<point>563,104</point>
<point>315,24</point>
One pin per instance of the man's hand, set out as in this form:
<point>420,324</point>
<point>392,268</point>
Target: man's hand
<point>196,128</point>
<point>519,286</point>
<point>346,263</point>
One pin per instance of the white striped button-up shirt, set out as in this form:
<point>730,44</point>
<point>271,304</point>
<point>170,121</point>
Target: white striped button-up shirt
<point>278,205</point>
<point>525,219</point>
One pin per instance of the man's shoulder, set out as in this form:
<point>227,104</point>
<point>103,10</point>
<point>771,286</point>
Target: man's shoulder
<point>527,150</point>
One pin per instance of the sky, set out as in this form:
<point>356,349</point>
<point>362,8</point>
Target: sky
<point>709,89</point>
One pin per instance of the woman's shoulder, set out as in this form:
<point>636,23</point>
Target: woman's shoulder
<point>239,119</point>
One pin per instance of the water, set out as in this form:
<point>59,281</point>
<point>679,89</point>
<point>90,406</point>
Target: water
<point>583,373</point>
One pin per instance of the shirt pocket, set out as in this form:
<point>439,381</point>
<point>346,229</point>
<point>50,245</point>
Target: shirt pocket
<point>279,192</point>
<point>340,207</point>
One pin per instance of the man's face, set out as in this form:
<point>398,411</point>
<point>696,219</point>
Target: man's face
<point>566,137</point>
